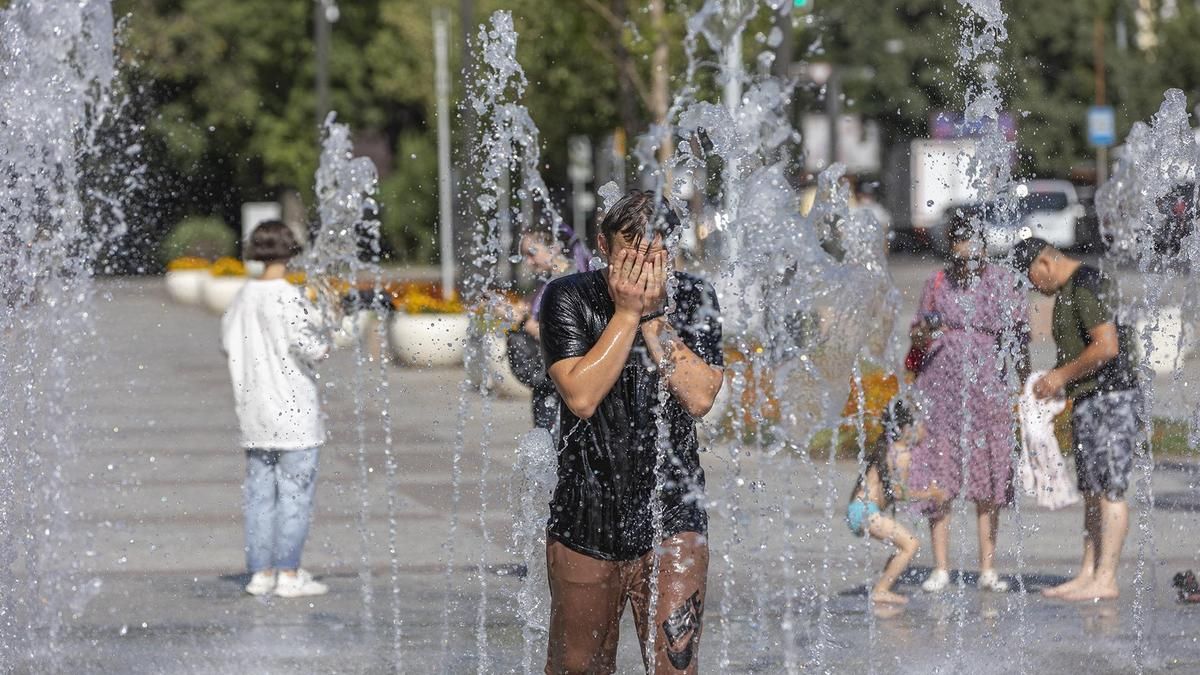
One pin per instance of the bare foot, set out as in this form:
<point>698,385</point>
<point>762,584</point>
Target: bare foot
<point>1097,590</point>
<point>1068,587</point>
<point>889,598</point>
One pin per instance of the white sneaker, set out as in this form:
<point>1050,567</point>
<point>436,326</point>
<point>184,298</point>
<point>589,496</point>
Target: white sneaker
<point>299,585</point>
<point>261,583</point>
<point>937,582</point>
<point>990,581</point>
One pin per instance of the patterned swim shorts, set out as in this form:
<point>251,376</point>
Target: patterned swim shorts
<point>1108,430</point>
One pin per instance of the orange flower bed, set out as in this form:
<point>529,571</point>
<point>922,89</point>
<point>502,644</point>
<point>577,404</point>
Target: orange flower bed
<point>879,388</point>
<point>423,299</point>
<point>187,263</point>
<point>227,267</point>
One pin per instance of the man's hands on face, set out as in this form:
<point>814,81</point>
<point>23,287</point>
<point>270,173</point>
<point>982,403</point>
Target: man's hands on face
<point>637,282</point>
<point>654,294</point>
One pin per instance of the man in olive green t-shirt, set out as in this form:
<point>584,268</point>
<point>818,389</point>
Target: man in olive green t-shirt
<point>1095,369</point>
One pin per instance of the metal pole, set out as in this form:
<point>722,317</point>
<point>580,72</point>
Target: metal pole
<point>733,101</point>
<point>445,211</point>
<point>465,210</point>
<point>733,73</point>
<point>1098,66</point>
<point>504,215</point>
<point>833,108</point>
<point>321,31</point>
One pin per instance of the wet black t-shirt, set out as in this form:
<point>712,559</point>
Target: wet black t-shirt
<point>601,505</point>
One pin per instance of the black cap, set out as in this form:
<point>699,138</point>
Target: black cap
<point>1026,251</point>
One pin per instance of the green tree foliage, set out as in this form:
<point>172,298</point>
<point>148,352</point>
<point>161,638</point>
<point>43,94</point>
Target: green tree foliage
<point>226,89</point>
<point>909,48</point>
<point>409,199</point>
<point>899,59</point>
<point>1175,62</point>
<point>231,90</point>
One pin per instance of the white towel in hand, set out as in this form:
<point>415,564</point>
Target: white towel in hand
<point>1043,468</point>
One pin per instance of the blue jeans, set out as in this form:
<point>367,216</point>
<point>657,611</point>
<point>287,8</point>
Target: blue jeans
<point>278,499</point>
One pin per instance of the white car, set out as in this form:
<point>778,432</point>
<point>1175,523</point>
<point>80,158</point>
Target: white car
<point>1051,210</point>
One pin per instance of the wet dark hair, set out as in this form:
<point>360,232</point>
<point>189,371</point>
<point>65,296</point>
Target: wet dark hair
<point>272,241</point>
<point>637,213</point>
<point>895,418</point>
<point>1026,251</point>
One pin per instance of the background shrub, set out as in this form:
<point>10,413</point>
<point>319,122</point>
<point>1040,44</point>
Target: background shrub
<point>200,236</point>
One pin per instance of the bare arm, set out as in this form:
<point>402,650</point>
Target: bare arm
<point>1105,347</point>
<point>584,381</point>
<point>693,382</point>
<point>533,327</point>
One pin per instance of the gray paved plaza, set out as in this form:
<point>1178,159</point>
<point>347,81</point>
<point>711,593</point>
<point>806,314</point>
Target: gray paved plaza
<point>155,519</point>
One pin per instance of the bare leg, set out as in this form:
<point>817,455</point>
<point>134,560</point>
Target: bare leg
<point>988,516</point>
<point>939,535</point>
<point>1091,541</point>
<point>1114,524</point>
<point>585,612</point>
<point>679,612</point>
<point>886,529</point>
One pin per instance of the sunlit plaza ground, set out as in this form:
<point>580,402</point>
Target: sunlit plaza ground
<point>155,519</point>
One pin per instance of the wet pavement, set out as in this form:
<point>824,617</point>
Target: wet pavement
<point>155,531</point>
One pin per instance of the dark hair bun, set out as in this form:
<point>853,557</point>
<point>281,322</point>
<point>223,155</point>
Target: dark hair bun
<point>273,241</point>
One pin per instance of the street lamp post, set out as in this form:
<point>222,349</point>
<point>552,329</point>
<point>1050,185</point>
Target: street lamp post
<point>324,14</point>
<point>441,53</point>
<point>1098,72</point>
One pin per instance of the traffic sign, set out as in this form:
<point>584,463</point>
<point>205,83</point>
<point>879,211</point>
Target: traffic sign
<point>1101,126</point>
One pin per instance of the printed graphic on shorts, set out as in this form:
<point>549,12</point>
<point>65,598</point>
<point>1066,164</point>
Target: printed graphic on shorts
<point>682,628</point>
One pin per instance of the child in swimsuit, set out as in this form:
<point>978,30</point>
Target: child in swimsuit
<point>877,491</point>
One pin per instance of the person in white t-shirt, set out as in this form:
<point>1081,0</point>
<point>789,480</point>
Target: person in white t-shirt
<point>273,336</point>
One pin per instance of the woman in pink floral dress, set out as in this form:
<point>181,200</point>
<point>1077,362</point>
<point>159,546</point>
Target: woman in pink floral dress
<point>972,322</point>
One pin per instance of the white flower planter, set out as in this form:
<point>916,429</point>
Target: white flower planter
<point>186,286</point>
<point>219,292</point>
<point>429,339</point>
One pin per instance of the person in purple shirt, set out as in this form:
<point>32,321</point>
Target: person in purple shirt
<point>972,324</point>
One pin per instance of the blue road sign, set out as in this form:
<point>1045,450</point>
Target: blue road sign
<point>1101,126</point>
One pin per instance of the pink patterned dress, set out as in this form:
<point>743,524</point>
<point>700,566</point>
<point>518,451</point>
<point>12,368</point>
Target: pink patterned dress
<point>965,400</point>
